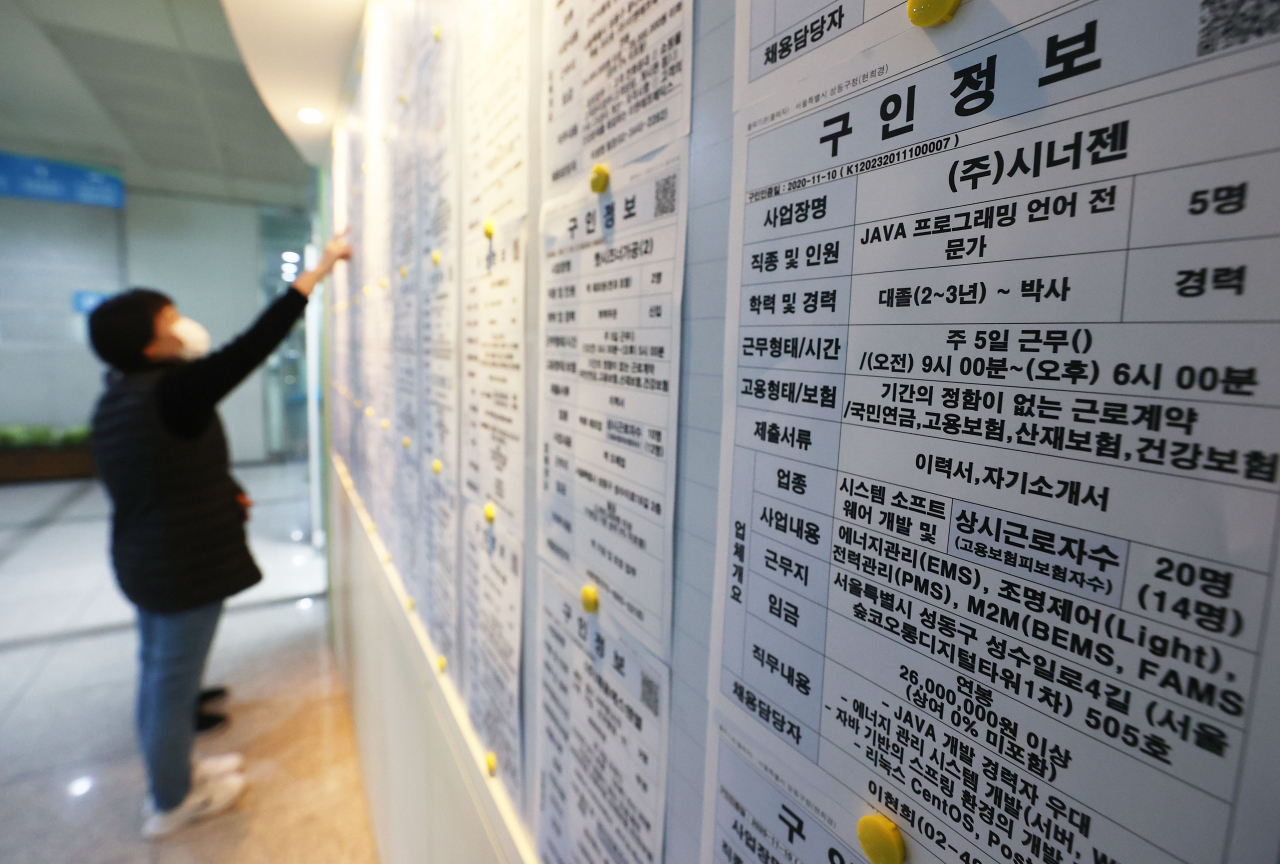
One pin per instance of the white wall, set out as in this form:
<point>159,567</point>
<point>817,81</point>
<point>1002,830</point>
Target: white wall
<point>427,790</point>
<point>204,254</point>
<point>48,251</point>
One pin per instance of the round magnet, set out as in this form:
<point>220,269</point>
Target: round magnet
<point>488,228</point>
<point>590,598</point>
<point>441,662</point>
<point>880,839</point>
<point>490,511</point>
<point>599,179</point>
<point>491,762</point>
<point>437,466</point>
<point>435,257</point>
<point>931,13</point>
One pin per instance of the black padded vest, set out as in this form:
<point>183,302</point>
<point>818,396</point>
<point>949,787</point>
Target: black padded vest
<point>177,530</point>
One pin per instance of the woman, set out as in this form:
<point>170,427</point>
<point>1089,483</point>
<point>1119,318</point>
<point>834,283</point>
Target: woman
<point>177,533</point>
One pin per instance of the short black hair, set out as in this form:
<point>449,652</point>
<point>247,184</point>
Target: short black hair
<point>124,325</point>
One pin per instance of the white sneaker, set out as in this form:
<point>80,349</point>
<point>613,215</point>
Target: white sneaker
<point>204,768</point>
<point>208,797</point>
<point>215,766</point>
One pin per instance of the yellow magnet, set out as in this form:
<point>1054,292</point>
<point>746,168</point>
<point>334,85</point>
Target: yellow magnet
<point>435,257</point>
<point>590,598</point>
<point>881,840</point>
<point>384,282</point>
<point>386,424</point>
<point>404,100</point>
<point>366,289</point>
<point>437,466</point>
<point>931,13</point>
<point>404,271</point>
<point>368,412</point>
<point>491,762</point>
<point>359,404</point>
<point>441,662</point>
<point>386,557</point>
<point>404,442</point>
<point>599,179</point>
<point>409,603</point>
<point>435,32</point>
<point>488,228</point>
<point>490,511</point>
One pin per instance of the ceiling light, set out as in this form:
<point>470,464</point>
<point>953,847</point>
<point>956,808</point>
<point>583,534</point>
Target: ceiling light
<point>79,786</point>
<point>291,257</point>
<point>310,115</point>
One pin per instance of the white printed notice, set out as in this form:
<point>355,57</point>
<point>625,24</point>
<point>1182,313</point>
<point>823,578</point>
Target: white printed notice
<point>401,437</point>
<point>601,738</point>
<point>612,271</point>
<point>784,47</point>
<point>495,77</point>
<point>998,546</point>
<point>436,256</point>
<point>617,83</point>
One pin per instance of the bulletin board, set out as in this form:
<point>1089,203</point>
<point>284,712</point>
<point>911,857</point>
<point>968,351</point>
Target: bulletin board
<point>995,523</point>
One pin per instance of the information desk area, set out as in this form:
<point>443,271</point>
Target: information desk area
<point>810,433</point>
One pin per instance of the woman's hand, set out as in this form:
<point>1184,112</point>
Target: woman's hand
<point>337,249</point>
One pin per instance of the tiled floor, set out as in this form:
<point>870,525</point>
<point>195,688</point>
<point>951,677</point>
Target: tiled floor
<point>67,679</point>
<point>55,577</point>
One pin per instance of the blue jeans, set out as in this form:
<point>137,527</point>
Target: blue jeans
<point>174,647</point>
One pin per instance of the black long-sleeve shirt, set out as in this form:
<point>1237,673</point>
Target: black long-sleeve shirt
<point>189,392</point>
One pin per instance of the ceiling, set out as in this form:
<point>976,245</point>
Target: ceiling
<point>153,88</point>
<point>299,53</point>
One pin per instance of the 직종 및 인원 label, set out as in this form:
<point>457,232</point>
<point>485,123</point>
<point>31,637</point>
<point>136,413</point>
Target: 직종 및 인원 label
<point>999,538</point>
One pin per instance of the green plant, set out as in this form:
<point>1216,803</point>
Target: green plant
<point>14,436</point>
<point>40,436</point>
<point>76,436</point>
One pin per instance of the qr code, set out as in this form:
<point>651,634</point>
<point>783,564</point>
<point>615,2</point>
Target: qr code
<point>1228,23</point>
<point>664,196</point>
<point>649,688</point>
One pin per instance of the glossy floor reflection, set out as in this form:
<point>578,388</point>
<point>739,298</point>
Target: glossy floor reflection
<point>55,577</point>
<point>71,782</point>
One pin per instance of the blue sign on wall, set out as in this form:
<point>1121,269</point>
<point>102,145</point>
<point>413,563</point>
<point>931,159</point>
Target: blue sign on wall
<point>26,177</point>
<point>85,302</point>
